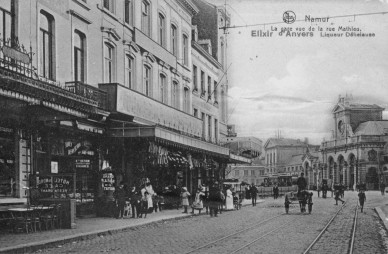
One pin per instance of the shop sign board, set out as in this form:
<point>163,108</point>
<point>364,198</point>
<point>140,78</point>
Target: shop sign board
<point>55,184</point>
<point>82,163</point>
<point>108,182</point>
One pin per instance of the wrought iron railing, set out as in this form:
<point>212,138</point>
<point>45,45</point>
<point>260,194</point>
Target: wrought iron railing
<point>88,92</point>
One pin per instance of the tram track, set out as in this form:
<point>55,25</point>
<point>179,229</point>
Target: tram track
<point>325,229</point>
<point>219,240</point>
<point>288,224</point>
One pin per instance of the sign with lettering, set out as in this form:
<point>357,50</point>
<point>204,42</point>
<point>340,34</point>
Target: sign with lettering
<point>79,148</point>
<point>82,163</point>
<point>55,184</point>
<point>16,55</point>
<point>108,181</point>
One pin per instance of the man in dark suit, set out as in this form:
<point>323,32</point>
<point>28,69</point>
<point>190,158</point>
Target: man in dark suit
<point>254,192</point>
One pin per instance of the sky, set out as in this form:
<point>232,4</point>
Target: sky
<point>291,84</point>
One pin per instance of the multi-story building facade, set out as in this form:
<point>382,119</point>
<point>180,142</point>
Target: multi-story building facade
<point>253,173</point>
<point>358,151</point>
<point>103,89</point>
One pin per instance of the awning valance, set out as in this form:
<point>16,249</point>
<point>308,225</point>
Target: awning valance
<point>169,137</point>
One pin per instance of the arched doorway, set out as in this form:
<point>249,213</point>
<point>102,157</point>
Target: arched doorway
<point>352,165</point>
<point>372,179</point>
<point>340,173</point>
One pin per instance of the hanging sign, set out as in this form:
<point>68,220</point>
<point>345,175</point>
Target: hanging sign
<point>108,182</point>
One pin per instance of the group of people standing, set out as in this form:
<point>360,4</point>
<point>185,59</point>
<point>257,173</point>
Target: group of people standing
<point>141,201</point>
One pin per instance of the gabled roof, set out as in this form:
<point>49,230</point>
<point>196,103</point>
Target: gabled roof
<point>372,128</point>
<point>355,106</point>
<point>272,142</point>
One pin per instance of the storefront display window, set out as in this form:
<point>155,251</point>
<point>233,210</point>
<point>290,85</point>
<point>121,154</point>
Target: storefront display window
<point>7,163</point>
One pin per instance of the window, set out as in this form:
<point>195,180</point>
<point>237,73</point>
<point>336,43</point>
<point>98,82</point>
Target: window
<point>46,59</point>
<point>109,4</point>
<point>129,71</point>
<point>209,87</point>
<point>147,80</point>
<point>253,173</point>
<point>128,12</point>
<point>245,172</point>
<point>216,130</point>
<point>174,94</point>
<point>215,92</point>
<point>209,124</point>
<point>145,18</point>
<point>7,19</point>
<point>174,40</point>
<point>108,63</point>
<point>161,30</point>
<point>79,56</point>
<point>186,99</point>
<point>202,83</point>
<point>185,50</point>
<point>203,125</point>
<point>195,80</point>
<point>195,112</point>
<point>163,87</point>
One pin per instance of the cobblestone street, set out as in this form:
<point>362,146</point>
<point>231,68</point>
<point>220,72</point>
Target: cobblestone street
<point>295,232</point>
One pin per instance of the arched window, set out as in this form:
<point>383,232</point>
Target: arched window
<point>174,40</point>
<point>128,12</point>
<point>185,50</point>
<point>108,62</point>
<point>163,88</point>
<point>186,100</point>
<point>79,56</point>
<point>46,58</point>
<point>174,95</point>
<point>162,30</point>
<point>129,71</point>
<point>147,80</point>
<point>146,17</point>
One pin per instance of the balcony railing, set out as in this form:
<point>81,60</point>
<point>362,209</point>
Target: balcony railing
<point>352,140</point>
<point>88,92</point>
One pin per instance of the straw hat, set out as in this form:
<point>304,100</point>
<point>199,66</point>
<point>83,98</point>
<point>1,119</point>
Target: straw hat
<point>184,188</point>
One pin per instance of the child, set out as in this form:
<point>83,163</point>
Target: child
<point>287,203</point>
<point>310,202</point>
<point>161,203</point>
<point>185,199</point>
<point>361,199</point>
<point>155,202</point>
<point>236,201</point>
<point>143,206</point>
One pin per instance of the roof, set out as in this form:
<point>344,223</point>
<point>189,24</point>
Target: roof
<point>346,105</point>
<point>272,142</point>
<point>377,128</point>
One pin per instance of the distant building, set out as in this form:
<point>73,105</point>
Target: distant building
<point>358,151</point>
<point>252,173</point>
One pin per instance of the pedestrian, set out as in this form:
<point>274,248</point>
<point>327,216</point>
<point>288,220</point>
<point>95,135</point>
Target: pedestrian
<point>275,190</point>
<point>215,198</point>
<point>120,198</point>
<point>254,192</point>
<point>361,199</point>
<point>287,203</point>
<point>206,200</point>
<point>382,187</point>
<point>198,201</point>
<point>229,199</point>
<point>357,186</point>
<point>324,190</point>
<point>236,201</point>
<point>301,182</point>
<point>185,199</point>
<point>143,207</point>
<point>337,196</point>
<point>310,202</point>
<point>135,198</point>
<point>319,188</point>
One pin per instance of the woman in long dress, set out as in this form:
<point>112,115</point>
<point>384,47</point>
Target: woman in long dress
<point>229,200</point>
<point>198,203</point>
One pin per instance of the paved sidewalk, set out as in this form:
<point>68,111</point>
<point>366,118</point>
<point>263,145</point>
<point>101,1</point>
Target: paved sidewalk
<point>86,228</point>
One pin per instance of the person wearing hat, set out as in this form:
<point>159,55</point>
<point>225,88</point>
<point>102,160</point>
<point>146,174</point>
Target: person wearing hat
<point>185,199</point>
<point>198,203</point>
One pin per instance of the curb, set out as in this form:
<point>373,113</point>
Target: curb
<point>31,247</point>
<point>382,217</point>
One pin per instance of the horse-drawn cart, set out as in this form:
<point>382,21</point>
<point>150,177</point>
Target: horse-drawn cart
<point>301,198</point>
